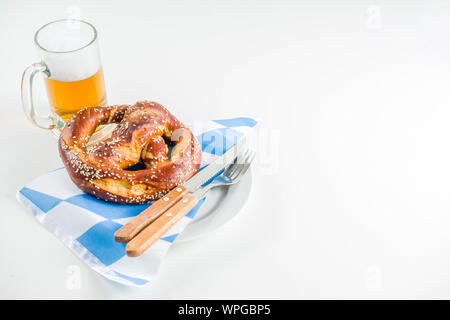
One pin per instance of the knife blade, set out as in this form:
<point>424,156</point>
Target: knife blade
<point>214,167</point>
<point>149,215</point>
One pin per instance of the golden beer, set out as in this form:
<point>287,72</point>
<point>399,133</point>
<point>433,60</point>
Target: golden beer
<point>70,62</point>
<point>68,97</point>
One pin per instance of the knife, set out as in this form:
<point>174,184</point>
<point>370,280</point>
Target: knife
<point>184,192</point>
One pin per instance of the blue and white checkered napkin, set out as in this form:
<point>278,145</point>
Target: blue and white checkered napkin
<point>87,225</point>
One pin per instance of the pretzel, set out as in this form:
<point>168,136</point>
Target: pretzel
<point>146,134</point>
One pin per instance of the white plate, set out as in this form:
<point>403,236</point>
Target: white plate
<point>222,204</point>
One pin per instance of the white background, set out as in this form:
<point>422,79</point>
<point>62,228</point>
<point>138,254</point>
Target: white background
<point>351,188</point>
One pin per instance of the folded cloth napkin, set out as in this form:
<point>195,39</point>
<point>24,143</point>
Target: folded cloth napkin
<point>86,225</point>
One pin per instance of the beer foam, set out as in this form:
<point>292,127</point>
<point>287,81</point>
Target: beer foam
<point>70,50</point>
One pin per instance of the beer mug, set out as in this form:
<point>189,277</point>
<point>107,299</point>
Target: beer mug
<point>70,63</point>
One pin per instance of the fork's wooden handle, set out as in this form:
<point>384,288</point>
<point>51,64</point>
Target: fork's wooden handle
<point>160,226</point>
<point>134,226</point>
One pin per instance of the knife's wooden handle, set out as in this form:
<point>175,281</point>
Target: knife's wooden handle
<point>160,226</point>
<point>134,226</point>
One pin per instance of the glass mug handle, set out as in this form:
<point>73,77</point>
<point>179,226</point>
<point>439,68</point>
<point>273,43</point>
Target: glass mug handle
<point>52,121</point>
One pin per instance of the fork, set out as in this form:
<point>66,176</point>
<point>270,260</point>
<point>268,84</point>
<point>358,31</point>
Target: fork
<point>232,175</point>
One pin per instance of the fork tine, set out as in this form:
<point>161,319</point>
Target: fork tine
<point>244,156</point>
<point>238,173</point>
<point>243,167</point>
<point>251,156</point>
<point>235,172</point>
<point>238,166</point>
<point>248,161</point>
<point>235,166</point>
<point>242,172</point>
<point>230,168</point>
<point>248,157</point>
